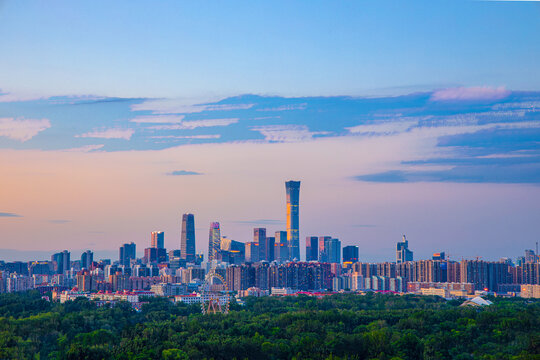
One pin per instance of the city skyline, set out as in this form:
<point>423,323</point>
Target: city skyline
<point>399,118</point>
<point>144,149</point>
<point>261,248</point>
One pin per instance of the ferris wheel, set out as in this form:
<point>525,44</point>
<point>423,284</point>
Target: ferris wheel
<point>214,297</point>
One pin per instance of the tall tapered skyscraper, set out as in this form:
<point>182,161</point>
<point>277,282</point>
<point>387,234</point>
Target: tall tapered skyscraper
<point>187,242</point>
<point>293,233</point>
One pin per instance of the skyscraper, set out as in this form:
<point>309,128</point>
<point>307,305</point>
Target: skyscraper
<point>87,258</point>
<point>214,240</point>
<point>323,248</point>
<point>259,237</point>
<point>334,251</point>
<point>127,252</point>
<point>312,248</point>
<point>252,251</point>
<point>236,250</point>
<point>350,254</point>
<point>63,262</point>
<point>187,243</point>
<point>157,240</point>
<point>281,247</point>
<point>150,255</point>
<point>403,253</point>
<point>438,256</point>
<point>67,260</point>
<point>293,229</point>
<point>270,245</point>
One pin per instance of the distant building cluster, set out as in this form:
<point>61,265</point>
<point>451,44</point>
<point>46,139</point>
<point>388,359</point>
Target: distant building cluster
<point>268,265</point>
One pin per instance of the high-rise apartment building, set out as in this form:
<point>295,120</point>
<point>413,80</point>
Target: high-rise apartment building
<point>530,257</point>
<point>403,254</point>
<point>312,248</point>
<point>214,240</point>
<point>157,240</point>
<point>187,241</point>
<point>293,227</point>
<point>350,254</point>
<point>127,253</point>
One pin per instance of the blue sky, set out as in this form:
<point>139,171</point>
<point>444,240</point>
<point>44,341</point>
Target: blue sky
<point>420,118</point>
<point>184,48</point>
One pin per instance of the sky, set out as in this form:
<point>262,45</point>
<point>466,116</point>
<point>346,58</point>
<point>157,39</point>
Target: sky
<point>418,118</point>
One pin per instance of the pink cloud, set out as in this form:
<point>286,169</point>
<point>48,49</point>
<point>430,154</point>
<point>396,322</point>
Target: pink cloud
<point>213,136</point>
<point>470,93</point>
<point>109,134</point>
<point>196,124</point>
<point>287,133</point>
<point>85,148</point>
<point>22,129</point>
<point>185,106</point>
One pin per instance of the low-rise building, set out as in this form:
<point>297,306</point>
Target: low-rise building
<point>283,291</point>
<point>167,289</point>
<point>530,291</point>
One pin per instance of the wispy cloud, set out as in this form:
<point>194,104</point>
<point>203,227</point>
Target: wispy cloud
<point>5,214</point>
<point>212,136</point>
<point>22,129</point>
<point>287,133</point>
<point>189,125</point>
<point>438,126</point>
<point>109,134</point>
<point>19,97</point>
<point>286,107</point>
<point>485,93</point>
<point>528,173</point>
<point>59,221</point>
<point>85,148</point>
<point>385,128</point>
<point>266,117</point>
<point>527,105</point>
<point>158,119</point>
<point>183,173</point>
<point>184,106</point>
<point>227,107</point>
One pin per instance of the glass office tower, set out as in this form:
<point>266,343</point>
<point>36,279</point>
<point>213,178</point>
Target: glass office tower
<point>187,242</point>
<point>293,204</point>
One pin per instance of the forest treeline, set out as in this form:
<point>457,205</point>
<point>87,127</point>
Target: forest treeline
<point>343,326</point>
